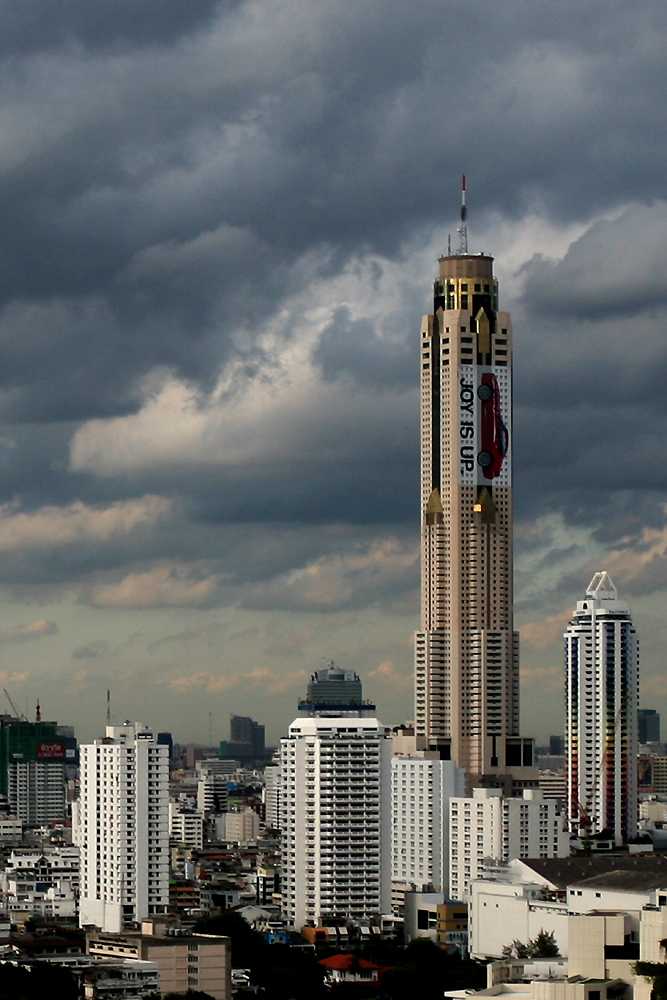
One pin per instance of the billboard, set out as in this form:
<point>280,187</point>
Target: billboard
<point>50,751</point>
<point>485,425</point>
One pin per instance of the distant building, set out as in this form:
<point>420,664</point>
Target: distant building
<point>36,791</point>
<point>32,769</point>
<point>241,827</point>
<point>553,785</point>
<point>186,826</point>
<point>166,740</point>
<point>602,677</point>
<point>333,686</point>
<point>272,794</point>
<point>648,722</point>
<point>556,745</point>
<point>212,786</point>
<point>246,742</point>
<point>123,828</point>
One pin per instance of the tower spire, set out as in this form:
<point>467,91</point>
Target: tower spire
<point>463,228</point>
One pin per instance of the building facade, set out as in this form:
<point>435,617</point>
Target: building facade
<point>186,826</point>
<point>421,789</point>
<point>335,819</point>
<point>466,649</point>
<point>124,828</point>
<point>489,827</point>
<point>602,676</point>
<point>36,791</point>
<point>212,788</point>
<point>271,794</point>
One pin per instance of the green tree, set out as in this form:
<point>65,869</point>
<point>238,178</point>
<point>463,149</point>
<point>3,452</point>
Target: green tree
<point>544,945</point>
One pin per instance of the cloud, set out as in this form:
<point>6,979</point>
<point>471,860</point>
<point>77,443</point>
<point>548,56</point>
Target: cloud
<point>13,676</point>
<point>91,650</point>
<point>545,631</point>
<point>38,629</point>
<point>386,674</point>
<point>269,681</point>
<point>77,523</point>
<point>159,587</point>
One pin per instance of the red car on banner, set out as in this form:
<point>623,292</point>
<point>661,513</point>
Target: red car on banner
<point>494,435</point>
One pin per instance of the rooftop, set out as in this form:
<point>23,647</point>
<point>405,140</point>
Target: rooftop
<point>562,872</point>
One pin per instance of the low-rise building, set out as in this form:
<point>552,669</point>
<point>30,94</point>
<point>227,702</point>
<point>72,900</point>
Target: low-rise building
<point>184,961</point>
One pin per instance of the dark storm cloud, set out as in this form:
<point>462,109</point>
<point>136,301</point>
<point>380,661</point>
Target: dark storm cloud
<point>170,176</point>
<point>352,349</point>
<point>163,169</point>
<point>25,28</point>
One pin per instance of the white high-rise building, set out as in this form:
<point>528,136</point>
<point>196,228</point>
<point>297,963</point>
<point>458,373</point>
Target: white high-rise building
<point>124,828</point>
<point>488,827</point>
<point>335,818</point>
<point>602,679</point>
<point>421,789</point>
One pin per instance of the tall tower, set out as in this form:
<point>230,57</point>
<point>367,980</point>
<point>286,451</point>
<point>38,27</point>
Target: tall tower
<point>466,650</point>
<point>602,678</point>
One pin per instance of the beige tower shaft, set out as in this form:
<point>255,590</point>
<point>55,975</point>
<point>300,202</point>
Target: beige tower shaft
<point>466,652</point>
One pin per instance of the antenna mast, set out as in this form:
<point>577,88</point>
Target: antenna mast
<point>108,706</point>
<point>463,228</point>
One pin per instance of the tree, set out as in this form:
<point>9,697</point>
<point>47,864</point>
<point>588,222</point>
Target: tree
<point>248,946</point>
<point>542,946</point>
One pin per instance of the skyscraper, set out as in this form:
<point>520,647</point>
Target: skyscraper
<point>124,828</point>
<point>466,650</point>
<point>602,677</point>
<point>335,812</point>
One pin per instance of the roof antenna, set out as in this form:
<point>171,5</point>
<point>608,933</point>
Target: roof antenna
<point>38,712</point>
<point>463,229</point>
<point>108,707</point>
<point>449,244</point>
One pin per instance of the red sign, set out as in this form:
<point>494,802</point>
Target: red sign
<point>50,751</point>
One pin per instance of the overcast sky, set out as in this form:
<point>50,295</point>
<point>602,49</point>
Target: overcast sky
<point>220,222</point>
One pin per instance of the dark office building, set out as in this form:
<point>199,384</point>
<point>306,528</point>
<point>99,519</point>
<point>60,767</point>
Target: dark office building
<point>649,725</point>
<point>246,740</point>
<point>556,745</point>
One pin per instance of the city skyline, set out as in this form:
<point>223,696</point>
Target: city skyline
<point>207,315</point>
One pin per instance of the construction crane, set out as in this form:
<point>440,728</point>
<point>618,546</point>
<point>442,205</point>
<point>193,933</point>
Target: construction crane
<point>17,714</point>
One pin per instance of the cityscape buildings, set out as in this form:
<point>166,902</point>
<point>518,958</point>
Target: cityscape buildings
<point>246,740</point>
<point>489,827</point>
<point>466,649</point>
<point>124,832</point>
<point>602,677</point>
<point>421,789</point>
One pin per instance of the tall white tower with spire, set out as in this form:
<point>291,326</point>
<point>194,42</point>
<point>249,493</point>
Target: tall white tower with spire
<point>602,678</point>
<point>466,650</point>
